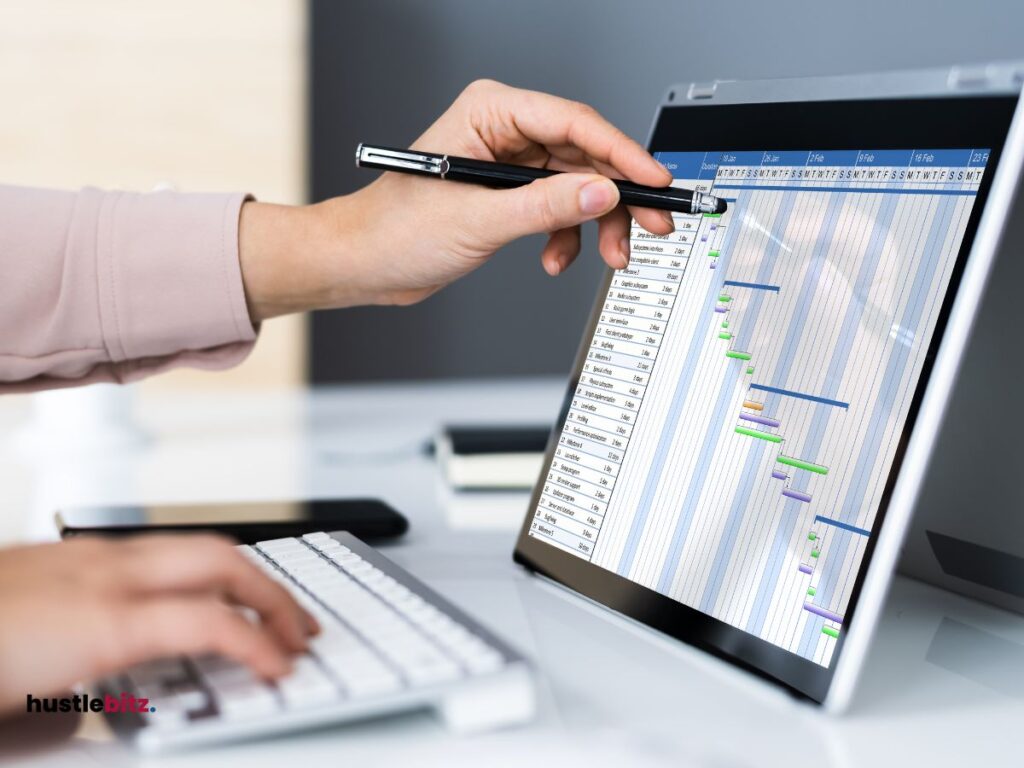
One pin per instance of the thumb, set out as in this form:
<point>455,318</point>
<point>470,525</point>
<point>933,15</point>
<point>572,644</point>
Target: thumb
<point>546,205</point>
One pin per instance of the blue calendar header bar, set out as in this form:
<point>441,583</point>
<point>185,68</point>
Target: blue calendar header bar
<point>823,157</point>
<point>785,158</point>
<point>690,165</point>
<point>704,165</point>
<point>742,158</point>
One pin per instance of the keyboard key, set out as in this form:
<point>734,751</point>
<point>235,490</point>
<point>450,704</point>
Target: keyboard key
<point>334,641</point>
<point>237,697</point>
<point>359,686</point>
<point>158,674</point>
<point>190,697</point>
<point>167,715</point>
<point>246,700</point>
<point>440,670</point>
<point>307,686</point>
<point>237,693</point>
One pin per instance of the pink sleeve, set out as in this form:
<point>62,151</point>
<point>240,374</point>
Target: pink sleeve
<point>116,286</point>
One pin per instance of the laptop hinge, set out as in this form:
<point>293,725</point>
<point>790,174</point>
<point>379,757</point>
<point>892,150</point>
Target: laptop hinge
<point>701,90</point>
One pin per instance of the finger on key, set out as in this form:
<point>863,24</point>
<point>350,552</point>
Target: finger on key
<point>203,563</point>
<point>156,627</point>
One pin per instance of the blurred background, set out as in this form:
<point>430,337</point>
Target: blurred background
<point>271,96</point>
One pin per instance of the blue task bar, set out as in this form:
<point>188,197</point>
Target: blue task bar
<point>844,526</point>
<point>799,395</point>
<point>755,286</point>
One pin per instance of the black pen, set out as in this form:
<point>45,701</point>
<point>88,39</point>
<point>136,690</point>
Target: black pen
<point>504,176</point>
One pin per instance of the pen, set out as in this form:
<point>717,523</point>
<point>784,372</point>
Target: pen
<point>505,176</point>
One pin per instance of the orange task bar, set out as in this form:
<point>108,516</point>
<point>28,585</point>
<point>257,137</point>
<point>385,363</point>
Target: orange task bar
<point>753,406</point>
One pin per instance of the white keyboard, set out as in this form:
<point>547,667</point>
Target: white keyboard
<point>387,644</point>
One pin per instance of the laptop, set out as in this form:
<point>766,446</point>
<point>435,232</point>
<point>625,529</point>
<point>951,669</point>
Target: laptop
<point>754,402</point>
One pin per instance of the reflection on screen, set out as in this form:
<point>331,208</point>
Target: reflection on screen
<point>749,379</point>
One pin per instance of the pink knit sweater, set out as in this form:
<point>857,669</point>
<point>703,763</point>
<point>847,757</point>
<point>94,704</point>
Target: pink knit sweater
<point>115,286</point>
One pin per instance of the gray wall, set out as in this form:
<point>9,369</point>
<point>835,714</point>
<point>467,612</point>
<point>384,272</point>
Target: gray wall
<point>383,69</point>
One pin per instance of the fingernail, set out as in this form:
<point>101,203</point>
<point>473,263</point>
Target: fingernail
<point>596,197</point>
<point>624,250</point>
<point>668,219</point>
<point>557,266</point>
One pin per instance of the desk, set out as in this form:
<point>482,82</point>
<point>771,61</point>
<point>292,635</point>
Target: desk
<point>943,687</point>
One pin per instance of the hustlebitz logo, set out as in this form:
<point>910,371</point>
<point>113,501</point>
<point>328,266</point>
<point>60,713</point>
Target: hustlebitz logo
<point>83,702</point>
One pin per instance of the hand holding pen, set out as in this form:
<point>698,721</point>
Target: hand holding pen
<point>505,176</point>
<point>402,237</point>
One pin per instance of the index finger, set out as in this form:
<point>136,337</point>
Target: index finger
<point>170,626</point>
<point>197,563</point>
<point>552,120</point>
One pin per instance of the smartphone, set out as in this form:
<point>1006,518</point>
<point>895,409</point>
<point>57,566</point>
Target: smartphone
<point>248,522</point>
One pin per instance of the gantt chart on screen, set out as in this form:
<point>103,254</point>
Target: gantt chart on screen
<point>749,380</point>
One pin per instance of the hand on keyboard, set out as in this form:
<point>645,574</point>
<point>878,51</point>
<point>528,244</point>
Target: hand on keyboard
<point>387,643</point>
<point>86,608</point>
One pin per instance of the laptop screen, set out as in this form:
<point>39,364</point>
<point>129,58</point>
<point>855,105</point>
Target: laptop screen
<point>746,387</point>
<point>750,376</point>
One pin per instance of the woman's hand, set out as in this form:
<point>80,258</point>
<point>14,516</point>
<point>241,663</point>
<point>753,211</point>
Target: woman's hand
<point>401,238</point>
<point>82,609</point>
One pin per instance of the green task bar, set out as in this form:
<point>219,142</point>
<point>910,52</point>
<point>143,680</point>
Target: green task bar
<point>815,553</point>
<point>725,299</point>
<point>830,632</point>
<point>725,335</point>
<point>760,435</point>
<point>714,254</point>
<point>812,591</point>
<point>712,215</point>
<point>738,355</point>
<point>802,465</point>
<point>812,536</point>
<point>725,323</point>
<point>750,370</point>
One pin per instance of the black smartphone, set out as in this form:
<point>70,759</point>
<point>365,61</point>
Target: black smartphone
<point>248,522</point>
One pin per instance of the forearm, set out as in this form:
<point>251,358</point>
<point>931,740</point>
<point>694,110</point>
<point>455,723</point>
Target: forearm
<point>335,254</point>
<point>285,251</point>
<point>114,286</point>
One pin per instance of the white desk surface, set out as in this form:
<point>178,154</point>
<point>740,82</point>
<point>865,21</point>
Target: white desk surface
<point>945,685</point>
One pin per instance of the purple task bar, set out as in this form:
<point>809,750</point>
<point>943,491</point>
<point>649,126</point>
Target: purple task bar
<point>779,475</point>
<point>722,310</point>
<point>804,568</point>
<point>759,420</point>
<point>704,239</point>
<point>823,613</point>
<point>795,495</point>
<point>713,227</point>
<point>711,265</point>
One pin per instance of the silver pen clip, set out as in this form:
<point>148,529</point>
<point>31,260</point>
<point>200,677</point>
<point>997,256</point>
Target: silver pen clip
<point>385,158</point>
